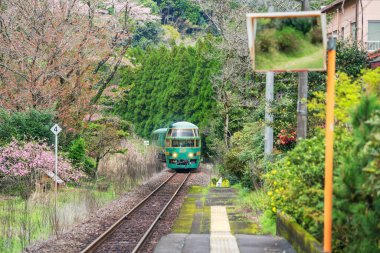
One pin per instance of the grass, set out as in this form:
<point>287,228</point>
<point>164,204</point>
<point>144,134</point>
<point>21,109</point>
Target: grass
<point>308,57</point>
<point>257,202</point>
<point>22,222</point>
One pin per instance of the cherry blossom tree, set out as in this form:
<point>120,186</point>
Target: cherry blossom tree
<point>26,162</point>
<point>58,54</point>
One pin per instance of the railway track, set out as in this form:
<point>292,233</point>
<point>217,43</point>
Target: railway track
<point>130,232</point>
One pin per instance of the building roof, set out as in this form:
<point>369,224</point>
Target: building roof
<point>332,5</point>
<point>161,130</point>
<point>52,176</point>
<point>375,55</point>
<point>183,124</point>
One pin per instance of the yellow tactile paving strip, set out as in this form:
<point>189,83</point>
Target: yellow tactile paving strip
<point>221,239</point>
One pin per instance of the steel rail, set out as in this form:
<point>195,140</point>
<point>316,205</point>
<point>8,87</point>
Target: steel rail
<point>145,236</point>
<point>98,241</point>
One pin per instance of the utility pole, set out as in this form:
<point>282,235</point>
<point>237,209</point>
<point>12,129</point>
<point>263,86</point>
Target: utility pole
<point>302,93</point>
<point>268,135</point>
<point>268,144</point>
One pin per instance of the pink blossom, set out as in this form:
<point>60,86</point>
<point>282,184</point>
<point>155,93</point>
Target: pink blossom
<point>22,159</point>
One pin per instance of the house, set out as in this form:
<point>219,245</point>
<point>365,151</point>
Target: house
<point>357,20</point>
<point>374,59</point>
<point>47,182</point>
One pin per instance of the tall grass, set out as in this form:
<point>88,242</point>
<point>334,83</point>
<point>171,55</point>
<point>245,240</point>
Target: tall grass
<point>24,221</point>
<point>258,202</point>
<point>129,169</point>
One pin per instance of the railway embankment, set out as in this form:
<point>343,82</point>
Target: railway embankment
<point>88,230</point>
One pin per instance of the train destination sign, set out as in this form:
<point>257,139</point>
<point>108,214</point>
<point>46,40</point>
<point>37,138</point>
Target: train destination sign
<point>287,41</point>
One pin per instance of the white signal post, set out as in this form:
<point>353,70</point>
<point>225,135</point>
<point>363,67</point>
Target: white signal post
<point>56,129</point>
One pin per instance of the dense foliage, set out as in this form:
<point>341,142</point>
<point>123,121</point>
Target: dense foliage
<point>169,85</point>
<point>295,182</point>
<point>25,125</point>
<point>244,161</point>
<point>347,96</point>
<point>147,34</point>
<point>357,190</point>
<point>173,11</point>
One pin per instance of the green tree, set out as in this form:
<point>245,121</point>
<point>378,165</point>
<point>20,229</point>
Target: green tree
<point>146,34</point>
<point>25,125</point>
<point>347,97</point>
<point>169,85</point>
<point>357,190</point>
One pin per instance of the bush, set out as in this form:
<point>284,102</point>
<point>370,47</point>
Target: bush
<point>266,41</point>
<point>351,58</point>
<point>299,24</point>
<point>244,161</point>
<point>288,40</point>
<point>26,125</point>
<point>295,183</point>
<point>78,157</point>
<point>347,97</point>
<point>315,35</point>
<point>357,189</point>
<point>286,140</point>
<point>77,152</point>
<point>146,34</point>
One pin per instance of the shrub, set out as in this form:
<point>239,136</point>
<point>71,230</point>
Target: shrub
<point>286,140</point>
<point>78,157</point>
<point>347,97</point>
<point>351,58</point>
<point>244,161</point>
<point>77,152</point>
<point>315,35</point>
<point>25,125</point>
<point>299,24</point>
<point>288,39</point>
<point>357,190</point>
<point>266,41</point>
<point>295,183</point>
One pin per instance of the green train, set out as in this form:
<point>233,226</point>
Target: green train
<point>179,145</point>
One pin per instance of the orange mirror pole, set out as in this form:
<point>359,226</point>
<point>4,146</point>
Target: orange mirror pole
<point>329,149</point>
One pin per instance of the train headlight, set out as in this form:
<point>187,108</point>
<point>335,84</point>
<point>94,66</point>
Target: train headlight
<point>190,155</point>
<point>175,155</point>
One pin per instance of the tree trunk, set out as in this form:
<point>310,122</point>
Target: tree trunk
<point>96,168</point>
<point>226,126</point>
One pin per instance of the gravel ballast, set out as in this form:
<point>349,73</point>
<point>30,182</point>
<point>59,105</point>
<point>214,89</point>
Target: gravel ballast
<point>85,232</point>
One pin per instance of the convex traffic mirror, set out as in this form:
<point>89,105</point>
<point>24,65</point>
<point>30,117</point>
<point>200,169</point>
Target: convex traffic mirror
<point>284,42</point>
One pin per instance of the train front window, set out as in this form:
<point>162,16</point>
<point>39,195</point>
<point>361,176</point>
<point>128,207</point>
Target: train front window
<point>182,143</point>
<point>182,133</point>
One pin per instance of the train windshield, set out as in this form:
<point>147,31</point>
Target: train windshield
<point>182,143</point>
<point>182,133</point>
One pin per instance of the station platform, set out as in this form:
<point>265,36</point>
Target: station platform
<point>210,222</point>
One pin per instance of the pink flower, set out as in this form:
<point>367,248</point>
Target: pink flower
<point>21,159</point>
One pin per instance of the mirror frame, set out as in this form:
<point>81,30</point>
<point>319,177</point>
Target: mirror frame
<point>251,29</point>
